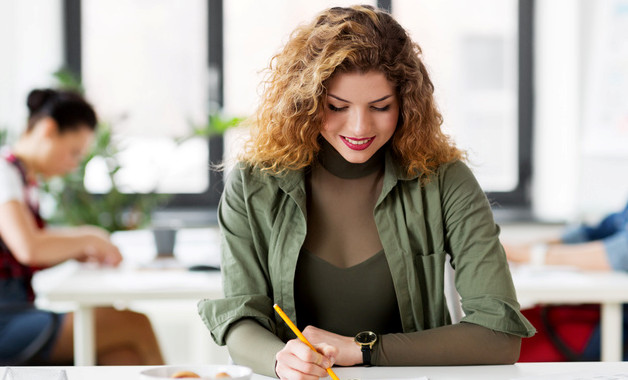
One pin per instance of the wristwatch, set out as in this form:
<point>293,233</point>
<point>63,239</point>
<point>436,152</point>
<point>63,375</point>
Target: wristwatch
<point>366,340</point>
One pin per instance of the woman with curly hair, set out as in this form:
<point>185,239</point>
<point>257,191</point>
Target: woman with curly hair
<point>342,210</point>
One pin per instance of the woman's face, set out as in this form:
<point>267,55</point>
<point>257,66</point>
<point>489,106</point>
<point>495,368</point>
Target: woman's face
<point>361,114</point>
<point>63,152</point>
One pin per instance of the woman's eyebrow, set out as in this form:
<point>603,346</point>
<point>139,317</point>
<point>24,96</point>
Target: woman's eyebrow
<point>346,101</point>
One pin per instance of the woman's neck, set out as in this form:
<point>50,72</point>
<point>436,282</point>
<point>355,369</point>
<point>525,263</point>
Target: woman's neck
<point>24,151</point>
<point>334,163</point>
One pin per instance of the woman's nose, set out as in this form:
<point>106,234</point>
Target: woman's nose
<point>360,123</point>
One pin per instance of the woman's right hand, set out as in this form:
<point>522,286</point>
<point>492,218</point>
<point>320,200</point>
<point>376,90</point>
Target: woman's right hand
<point>99,247</point>
<point>517,253</point>
<point>297,361</point>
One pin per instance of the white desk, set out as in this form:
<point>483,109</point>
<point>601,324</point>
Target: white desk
<point>569,286</point>
<point>84,289</point>
<point>529,371</point>
<point>75,287</point>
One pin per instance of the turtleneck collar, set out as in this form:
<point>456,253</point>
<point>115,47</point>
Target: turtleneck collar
<point>334,163</point>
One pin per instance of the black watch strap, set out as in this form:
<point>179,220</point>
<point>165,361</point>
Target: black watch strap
<point>366,340</point>
<point>366,354</point>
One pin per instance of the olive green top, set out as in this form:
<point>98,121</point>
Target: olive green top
<point>326,294</point>
<point>264,225</point>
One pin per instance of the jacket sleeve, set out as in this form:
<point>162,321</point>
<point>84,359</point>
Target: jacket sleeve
<point>482,275</point>
<point>244,264</point>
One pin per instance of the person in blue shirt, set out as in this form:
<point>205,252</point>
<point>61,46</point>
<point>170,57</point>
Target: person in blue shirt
<point>591,247</point>
<point>601,247</point>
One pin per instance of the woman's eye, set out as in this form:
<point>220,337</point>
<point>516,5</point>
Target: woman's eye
<point>335,109</point>
<point>381,109</point>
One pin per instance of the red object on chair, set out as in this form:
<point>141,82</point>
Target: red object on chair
<point>562,332</point>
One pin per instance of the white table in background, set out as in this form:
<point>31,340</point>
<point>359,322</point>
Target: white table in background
<point>552,285</point>
<point>85,289</point>
<point>528,371</point>
<point>82,288</point>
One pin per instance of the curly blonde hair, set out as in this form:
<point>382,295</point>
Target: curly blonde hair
<point>286,127</point>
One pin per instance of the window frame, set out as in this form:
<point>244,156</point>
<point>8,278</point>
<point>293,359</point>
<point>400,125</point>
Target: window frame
<point>520,197</point>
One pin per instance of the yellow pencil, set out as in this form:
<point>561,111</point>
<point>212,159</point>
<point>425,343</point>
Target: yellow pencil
<point>296,331</point>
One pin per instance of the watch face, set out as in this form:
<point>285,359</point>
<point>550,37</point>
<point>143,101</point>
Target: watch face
<point>365,337</point>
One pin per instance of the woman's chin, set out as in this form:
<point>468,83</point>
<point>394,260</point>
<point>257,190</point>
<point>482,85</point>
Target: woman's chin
<point>356,157</point>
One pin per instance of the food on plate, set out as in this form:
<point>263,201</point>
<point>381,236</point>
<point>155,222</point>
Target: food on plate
<point>190,374</point>
<point>184,374</point>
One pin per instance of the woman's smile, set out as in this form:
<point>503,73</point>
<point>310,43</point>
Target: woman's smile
<point>357,144</point>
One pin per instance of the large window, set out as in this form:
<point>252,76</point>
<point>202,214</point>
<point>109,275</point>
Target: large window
<point>254,32</point>
<point>144,64</point>
<point>472,50</point>
<point>147,65</point>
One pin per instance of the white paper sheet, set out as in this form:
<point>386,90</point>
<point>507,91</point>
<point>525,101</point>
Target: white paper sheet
<point>405,378</point>
<point>19,373</point>
<point>587,375</point>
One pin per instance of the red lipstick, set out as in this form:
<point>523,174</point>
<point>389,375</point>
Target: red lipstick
<point>357,144</point>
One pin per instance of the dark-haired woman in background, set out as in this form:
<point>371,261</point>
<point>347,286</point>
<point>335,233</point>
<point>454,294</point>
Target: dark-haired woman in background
<point>61,125</point>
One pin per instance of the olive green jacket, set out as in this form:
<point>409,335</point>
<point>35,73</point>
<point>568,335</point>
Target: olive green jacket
<point>263,227</point>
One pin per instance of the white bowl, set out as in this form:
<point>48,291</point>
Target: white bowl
<point>236,372</point>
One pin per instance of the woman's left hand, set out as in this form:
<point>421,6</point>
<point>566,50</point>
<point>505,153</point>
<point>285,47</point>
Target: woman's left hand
<point>349,352</point>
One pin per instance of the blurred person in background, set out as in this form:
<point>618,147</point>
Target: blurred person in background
<point>603,246</point>
<point>599,247</point>
<point>61,125</point>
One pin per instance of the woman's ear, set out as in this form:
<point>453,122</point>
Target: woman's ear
<point>47,127</point>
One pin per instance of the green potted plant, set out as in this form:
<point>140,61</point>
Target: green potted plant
<point>217,124</point>
<point>214,130</point>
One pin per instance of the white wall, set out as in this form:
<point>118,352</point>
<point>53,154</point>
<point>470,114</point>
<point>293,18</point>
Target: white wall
<point>557,104</point>
<point>31,50</point>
